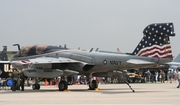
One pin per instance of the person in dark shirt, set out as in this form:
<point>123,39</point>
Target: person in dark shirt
<point>14,77</point>
<point>22,76</point>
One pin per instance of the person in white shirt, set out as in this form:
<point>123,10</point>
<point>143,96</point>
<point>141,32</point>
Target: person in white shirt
<point>178,77</point>
<point>1,83</point>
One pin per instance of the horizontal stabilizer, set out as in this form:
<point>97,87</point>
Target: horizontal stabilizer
<point>138,61</point>
<point>173,63</point>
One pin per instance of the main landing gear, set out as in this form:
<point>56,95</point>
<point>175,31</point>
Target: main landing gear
<point>93,85</point>
<point>63,85</point>
<point>36,86</point>
<point>65,81</point>
<point>124,78</point>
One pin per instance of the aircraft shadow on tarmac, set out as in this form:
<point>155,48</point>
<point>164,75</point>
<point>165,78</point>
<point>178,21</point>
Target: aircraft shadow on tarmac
<point>102,91</point>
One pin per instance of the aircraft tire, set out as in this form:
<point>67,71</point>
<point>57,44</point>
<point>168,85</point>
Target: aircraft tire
<point>93,85</point>
<point>37,86</point>
<point>34,87</point>
<point>62,85</point>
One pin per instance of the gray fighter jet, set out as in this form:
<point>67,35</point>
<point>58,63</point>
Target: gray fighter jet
<point>43,61</point>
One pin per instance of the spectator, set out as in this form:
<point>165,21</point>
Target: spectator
<point>156,76</point>
<point>178,78</point>
<point>148,75</point>
<point>169,75</point>
<point>163,76</point>
<point>28,81</point>
<point>176,75</point>
<point>22,76</point>
<point>1,83</point>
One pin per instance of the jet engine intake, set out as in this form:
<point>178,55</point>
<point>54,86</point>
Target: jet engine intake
<point>87,67</point>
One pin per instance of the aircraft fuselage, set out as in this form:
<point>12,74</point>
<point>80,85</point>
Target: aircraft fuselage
<point>94,62</point>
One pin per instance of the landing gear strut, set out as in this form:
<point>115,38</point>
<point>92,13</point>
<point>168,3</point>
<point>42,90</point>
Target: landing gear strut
<point>125,80</point>
<point>63,85</point>
<point>92,83</point>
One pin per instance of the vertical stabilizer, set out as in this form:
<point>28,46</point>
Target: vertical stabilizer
<point>156,42</point>
<point>3,54</point>
<point>4,49</point>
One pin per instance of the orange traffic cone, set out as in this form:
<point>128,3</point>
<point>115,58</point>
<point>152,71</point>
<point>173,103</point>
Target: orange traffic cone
<point>45,82</point>
<point>50,83</point>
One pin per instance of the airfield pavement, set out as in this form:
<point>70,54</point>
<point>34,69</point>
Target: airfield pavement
<point>109,94</point>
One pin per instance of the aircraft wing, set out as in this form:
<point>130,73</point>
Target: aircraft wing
<point>138,61</point>
<point>47,60</point>
<point>49,67</point>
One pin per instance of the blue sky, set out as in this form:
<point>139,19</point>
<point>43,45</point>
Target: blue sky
<point>103,24</point>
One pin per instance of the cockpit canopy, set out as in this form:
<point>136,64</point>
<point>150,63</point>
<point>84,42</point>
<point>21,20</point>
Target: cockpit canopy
<point>37,49</point>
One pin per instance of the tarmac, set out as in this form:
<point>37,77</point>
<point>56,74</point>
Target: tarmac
<point>109,94</point>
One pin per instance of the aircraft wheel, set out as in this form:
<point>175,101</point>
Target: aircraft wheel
<point>93,85</point>
<point>37,86</point>
<point>34,87</point>
<point>62,85</point>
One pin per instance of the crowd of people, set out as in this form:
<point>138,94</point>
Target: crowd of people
<point>159,76</point>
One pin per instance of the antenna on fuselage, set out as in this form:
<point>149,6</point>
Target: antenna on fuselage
<point>18,46</point>
<point>4,49</point>
<point>65,46</point>
<point>97,49</point>
<point>91,50</point>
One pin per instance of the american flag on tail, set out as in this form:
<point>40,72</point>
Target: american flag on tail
<point>155,42</point>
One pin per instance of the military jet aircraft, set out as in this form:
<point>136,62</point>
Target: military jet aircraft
<point>44,61</point>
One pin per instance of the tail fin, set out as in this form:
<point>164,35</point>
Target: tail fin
<point>156,42</point>
<point>3,54</point>
<point>4,49</point>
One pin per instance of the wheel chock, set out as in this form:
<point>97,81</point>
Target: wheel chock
<point>97,89</point>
